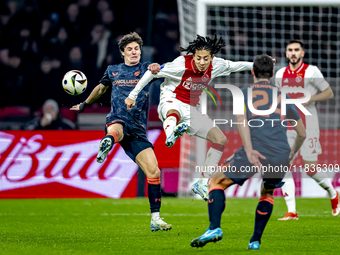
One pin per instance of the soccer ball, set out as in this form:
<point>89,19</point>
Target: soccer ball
<point>74,82</point>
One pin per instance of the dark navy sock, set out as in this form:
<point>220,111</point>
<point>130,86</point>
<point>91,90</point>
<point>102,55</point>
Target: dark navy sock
<point>154,193</point>
<point>263,211</point>
<point>216,205</point>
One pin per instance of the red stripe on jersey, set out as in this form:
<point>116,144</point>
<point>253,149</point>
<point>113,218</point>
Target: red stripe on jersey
<point>295,79</point>
<point>190,88</point>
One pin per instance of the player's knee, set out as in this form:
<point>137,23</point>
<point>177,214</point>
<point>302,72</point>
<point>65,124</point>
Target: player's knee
<point>223,140</point>
<point>153,171</point>
<point>310,172</point>
<point>118,129</point>
<point>216,136</point>
<point>220,182</point>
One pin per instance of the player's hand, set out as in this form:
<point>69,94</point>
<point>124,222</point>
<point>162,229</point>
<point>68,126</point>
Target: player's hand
<point>75,107</point>
<point>291,156</point>
<point>307,103</point>
<point>129,103</point>
<point>79,107</point>
<point>274,60</point>
<point>254,158</point>
<point>154,68</point>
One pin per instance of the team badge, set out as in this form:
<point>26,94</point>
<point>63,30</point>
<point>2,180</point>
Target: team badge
<point>137,73</point>
<point>298,79</point>
<point>205,78</point>
<point>114,74</point>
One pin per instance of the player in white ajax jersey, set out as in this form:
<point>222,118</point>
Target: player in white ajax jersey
<point>185,77</point>
<point>299,74</point>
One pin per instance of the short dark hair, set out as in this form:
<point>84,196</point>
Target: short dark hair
<point>212,45</point>
<point>263,66</point>
<point>129,38</point>
<point>295,41</point>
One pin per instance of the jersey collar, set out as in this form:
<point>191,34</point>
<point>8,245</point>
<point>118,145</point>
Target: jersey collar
<point>297,70</point>
<point>263,83</point>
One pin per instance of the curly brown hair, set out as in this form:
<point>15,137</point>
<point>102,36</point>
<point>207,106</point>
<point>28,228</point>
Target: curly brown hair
<point>129,38</point>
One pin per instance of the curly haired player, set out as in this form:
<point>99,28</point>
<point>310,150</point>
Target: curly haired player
<point>185,79</point>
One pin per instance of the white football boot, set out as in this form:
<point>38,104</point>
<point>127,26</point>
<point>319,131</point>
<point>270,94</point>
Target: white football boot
<point>159,224</point>
<point>178,131</point>
<point>104,149</point>
<point>201,188</point>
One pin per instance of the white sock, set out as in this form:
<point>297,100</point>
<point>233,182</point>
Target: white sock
<point>288,191</point>
<point>169,124</point>
<point>213,157</point>
<point>322,179</point>
<point>155,215</point>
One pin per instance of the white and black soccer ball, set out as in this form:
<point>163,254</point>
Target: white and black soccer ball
<point>74,82</point>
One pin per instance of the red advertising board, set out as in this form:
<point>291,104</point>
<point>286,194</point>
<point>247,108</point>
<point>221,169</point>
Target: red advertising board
<point>63,164</point>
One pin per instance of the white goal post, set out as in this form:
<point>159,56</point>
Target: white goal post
<point>252,27</point>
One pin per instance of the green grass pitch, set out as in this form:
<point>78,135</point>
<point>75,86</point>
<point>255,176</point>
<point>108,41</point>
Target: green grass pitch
<point>109,226</point>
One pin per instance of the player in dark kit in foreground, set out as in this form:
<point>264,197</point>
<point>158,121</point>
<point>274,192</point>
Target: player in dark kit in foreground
<point>128,128</point>
<point>263,147</point>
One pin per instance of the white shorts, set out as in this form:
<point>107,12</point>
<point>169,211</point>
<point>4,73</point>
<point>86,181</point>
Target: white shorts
<point>311,147</point>
<point>199,124</point>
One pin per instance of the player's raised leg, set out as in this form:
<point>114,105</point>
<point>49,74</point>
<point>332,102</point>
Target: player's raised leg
<point>172,129</point>
<point>147,161</point>
<point>214,155</point>
<point>114,134</point>
<point>216,206</point>
<point>324,182</point>
<point>262,214</point>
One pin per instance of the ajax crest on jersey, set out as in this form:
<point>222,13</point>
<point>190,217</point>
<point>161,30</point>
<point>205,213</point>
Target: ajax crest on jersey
<point>74,82</point>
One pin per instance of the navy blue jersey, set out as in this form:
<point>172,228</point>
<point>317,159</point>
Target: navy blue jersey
<point>271,138</point>
<point>123,79</point>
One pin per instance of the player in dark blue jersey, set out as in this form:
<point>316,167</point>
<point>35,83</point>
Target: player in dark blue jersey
<point>264,147</point>
<point>128,127</point>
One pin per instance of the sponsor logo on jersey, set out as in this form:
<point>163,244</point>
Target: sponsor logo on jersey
<point>114,74</point>
<point>137,73</point>
<point>286,80</point>
<point>188,84</point>
<point>125,82</point>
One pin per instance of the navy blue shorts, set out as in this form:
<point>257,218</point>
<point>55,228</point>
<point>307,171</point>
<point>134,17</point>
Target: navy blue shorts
<point>238,169</point>
<point>134,140</point>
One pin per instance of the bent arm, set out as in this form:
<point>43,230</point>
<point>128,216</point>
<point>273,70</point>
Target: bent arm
<point>96,93</point>
<point>301,136</point>
<point>244,132</point>
<point>147,77</point>
<point>240,66</point>
<point>324,95</point>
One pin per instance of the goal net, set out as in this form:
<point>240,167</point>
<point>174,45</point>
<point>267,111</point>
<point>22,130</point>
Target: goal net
<point>252,28</point>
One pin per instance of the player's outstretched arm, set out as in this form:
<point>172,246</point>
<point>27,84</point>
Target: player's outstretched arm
<point>154,68</point>
<point>147,77</point>
<point>96,93</point>
<point>301,136</point>
<point>240,66</point>
<point>252,155</point>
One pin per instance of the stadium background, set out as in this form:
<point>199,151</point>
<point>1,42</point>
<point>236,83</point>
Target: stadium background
<point>41,40</point>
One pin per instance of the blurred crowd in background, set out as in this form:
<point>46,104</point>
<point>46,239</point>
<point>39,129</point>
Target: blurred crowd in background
<point>40,40</point>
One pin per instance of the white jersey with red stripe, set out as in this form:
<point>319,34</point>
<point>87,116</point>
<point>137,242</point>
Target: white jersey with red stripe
<point>308,77</point>
<point>184,82</point>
